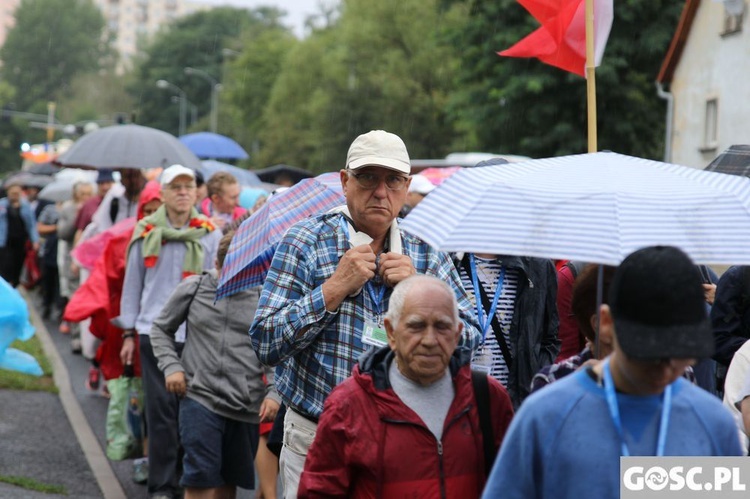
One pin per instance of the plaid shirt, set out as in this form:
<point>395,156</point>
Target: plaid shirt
<point>311,363</point>
<point>549,374</point>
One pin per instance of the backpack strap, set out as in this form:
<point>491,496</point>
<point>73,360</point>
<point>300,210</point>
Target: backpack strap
<point>481,386</point>
<point>576,267</point>
<point>200,281</point>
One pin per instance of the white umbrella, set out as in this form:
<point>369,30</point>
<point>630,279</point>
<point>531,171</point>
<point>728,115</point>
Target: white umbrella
<point>61,188</point>
<point>596,207</point>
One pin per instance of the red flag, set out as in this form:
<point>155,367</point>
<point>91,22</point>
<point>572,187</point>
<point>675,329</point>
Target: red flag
<point>561,40</point>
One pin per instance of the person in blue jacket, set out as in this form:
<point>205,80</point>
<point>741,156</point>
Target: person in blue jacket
<point>566,441</point>
<point>17,227</point>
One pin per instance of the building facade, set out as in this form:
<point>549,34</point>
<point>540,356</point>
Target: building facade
<point>707,70</point>
<point>132,22</point>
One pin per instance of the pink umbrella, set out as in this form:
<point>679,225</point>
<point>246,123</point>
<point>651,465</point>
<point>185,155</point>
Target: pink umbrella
<point>438,175</point>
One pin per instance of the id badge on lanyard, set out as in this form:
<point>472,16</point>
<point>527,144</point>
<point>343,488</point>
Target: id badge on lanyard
<point>482,360</point>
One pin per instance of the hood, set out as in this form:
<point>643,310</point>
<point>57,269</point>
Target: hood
<point>150,192</point>
<point>375,363</point>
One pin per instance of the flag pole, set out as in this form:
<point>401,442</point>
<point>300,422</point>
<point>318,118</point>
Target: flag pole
<point>590,76</point>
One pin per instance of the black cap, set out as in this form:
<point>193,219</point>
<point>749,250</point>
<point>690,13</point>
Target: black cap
<point>657,302</point>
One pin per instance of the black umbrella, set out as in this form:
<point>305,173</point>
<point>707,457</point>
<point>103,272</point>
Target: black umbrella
<point>734,161</point>
<point>278,174</point>
<point>128,146</point>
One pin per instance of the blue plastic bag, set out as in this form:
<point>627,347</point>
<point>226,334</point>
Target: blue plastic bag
<point>15,325</point>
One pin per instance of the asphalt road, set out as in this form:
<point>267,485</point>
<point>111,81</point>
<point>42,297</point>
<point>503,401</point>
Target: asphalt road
<point>37,442</point>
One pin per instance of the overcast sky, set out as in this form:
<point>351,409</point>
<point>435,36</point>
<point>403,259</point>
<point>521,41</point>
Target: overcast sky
<point>297,10</point>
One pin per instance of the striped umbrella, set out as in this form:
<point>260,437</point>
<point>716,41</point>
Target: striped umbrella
<point>253,246</point>
<point>595,207</point>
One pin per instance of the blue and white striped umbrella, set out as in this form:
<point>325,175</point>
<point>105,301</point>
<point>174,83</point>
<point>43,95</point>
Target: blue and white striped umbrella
<point>595,207</point>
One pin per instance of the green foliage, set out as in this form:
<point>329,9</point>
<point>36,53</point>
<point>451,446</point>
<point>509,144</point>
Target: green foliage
<point>249,78</point>
<point>51,42</point>
<point>193,41</point>
<point>523,106</point>
<point>95,96</point>
<point>386,64</point>
<point>10,135</point>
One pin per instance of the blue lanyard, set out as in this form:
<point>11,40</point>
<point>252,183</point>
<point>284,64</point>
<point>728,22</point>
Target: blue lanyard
<point>376,299</point>
<point>485,321</point>
<point>614,412</point>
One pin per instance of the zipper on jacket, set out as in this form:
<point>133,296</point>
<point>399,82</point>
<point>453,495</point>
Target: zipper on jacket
<point>443,492</point>
<point>441,468</point>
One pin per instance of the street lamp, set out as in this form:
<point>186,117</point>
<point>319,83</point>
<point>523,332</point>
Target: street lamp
<point>193,109</point>
<point>215,87</point>
<point>164,84</point>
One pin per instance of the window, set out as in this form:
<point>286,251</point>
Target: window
<point>711,126</point>
<point>734,11</point>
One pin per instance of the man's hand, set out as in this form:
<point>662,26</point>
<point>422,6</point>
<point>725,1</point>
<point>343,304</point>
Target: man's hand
<point>355,268</point>
<point>709,292</point>
<point>127,351</point>
<point>395,267</point>
<point>176,383</point>
<point>268,410</point>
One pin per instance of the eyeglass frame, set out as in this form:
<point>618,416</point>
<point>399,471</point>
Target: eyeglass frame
<point>403,178</point>
<point>181,187</point>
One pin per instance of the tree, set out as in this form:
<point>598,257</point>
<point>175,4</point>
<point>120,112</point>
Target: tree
<point>10,135</point>
<point>51,42</point>
<point>522,106</point>
<point>385,64</point>
<point>248,81</point>
<point>194,41</point>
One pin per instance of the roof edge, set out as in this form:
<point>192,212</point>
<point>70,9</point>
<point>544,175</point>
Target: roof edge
<point>674,53</point>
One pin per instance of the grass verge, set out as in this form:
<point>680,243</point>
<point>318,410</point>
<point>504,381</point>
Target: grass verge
<point>31,484</point>
<point>14,380</point>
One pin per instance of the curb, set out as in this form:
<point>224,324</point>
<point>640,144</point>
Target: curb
<point>105,476</point>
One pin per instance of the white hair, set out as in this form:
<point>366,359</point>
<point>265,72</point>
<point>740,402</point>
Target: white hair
<point>401,291</point>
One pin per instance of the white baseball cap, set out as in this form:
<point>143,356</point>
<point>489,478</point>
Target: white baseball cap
<point>174,171</point>
<point>421,185</point>
<point>379,148</point>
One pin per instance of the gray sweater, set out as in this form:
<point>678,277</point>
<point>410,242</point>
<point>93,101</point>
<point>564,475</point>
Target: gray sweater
<point>222,371</point>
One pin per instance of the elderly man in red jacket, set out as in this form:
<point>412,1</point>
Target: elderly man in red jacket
<point>406,423</point>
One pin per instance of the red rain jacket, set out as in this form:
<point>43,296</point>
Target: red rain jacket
<point>369,444</point>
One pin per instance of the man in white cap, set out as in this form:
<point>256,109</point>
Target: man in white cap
<point>173,243</point>
<point>419,188</point>
<point>327,291</point>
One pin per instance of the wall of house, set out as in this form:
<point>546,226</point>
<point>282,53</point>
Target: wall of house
<point>713,66</point>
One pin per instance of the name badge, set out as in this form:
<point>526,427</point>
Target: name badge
<point>374,335</point>
<point>482,361</point>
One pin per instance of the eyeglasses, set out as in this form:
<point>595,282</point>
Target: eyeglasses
<point>370,181</point>
<point>180,187</point>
